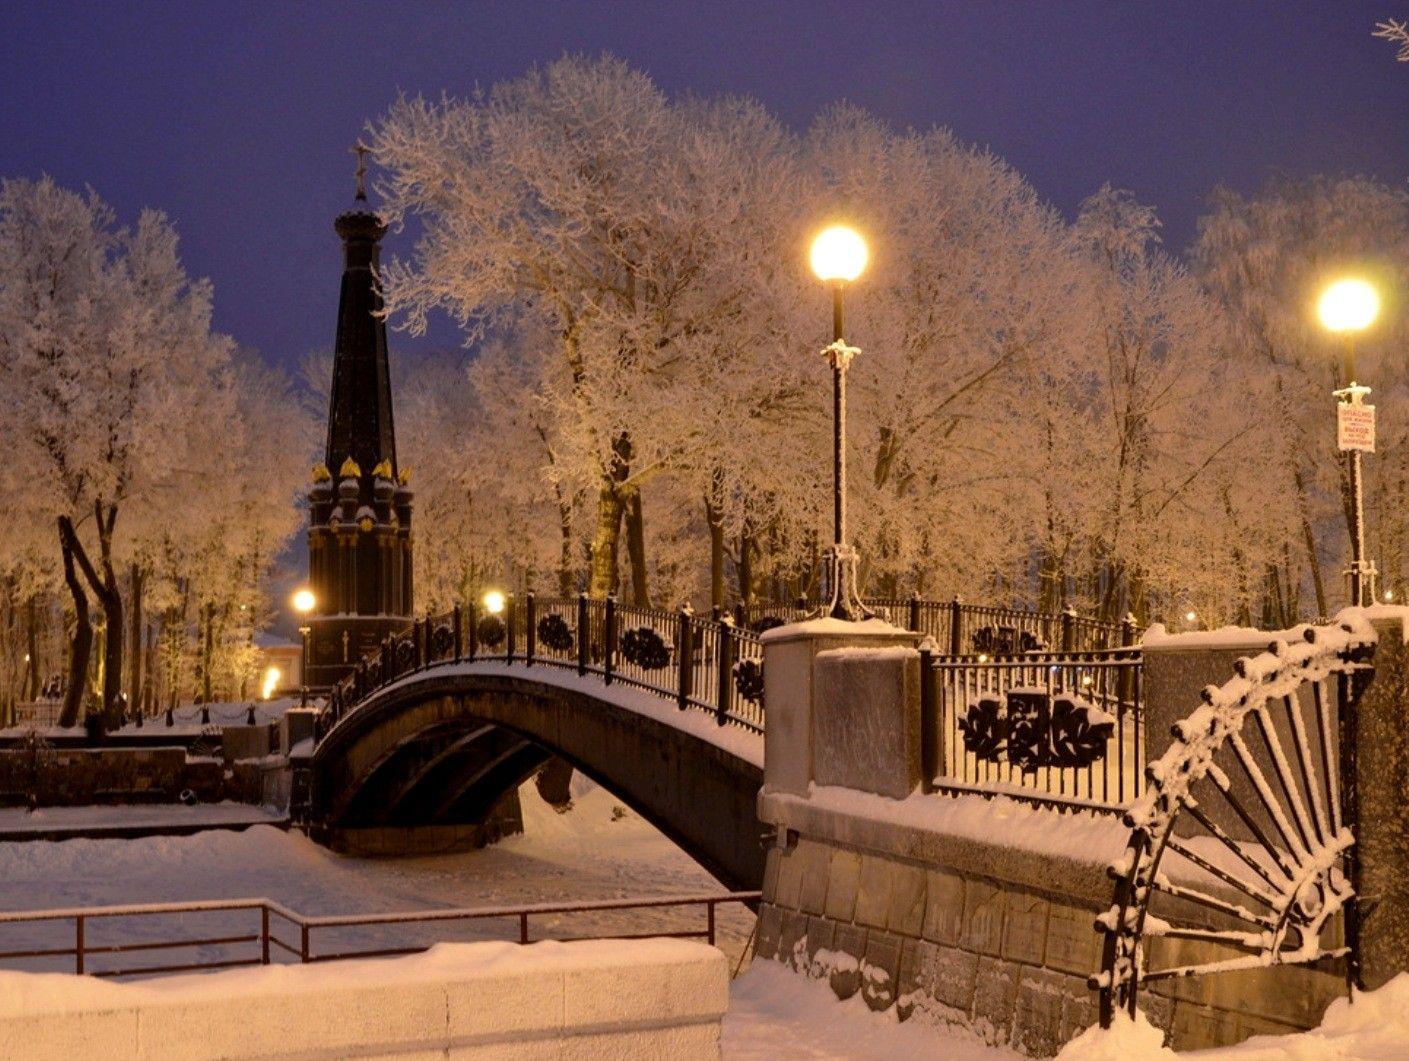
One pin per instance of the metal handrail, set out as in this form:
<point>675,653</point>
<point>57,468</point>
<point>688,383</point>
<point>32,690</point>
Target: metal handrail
<point>267,939</point>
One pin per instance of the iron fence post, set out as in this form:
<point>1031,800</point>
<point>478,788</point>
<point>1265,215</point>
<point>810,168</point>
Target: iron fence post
<point>264,935</point>
<point>710,908</point>
<point>1127,630</point>
<point>510,613</point>
<point>472,624</point>
<point>929,724</point>
<point>78,944</point>
<point>386,660</point>
<point>726,669</point>
<point>609,640</point>
<point>741,616</point>
<point>523,927</point>
<point>584,634</point>
<point>915,612</point>
<point>529,633</point>
<point>956,627</point>
<point>303,943</point>
<point>1068,628</point>
<point>685,657</point>
<point>457,632</point>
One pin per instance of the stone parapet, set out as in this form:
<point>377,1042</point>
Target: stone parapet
<point>648,998</point>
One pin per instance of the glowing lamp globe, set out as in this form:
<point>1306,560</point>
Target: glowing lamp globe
<point>304,601</point>
<point>838,254</point>
<point>271,682</point>
<point>1348,306</point>
<point>494,602</point>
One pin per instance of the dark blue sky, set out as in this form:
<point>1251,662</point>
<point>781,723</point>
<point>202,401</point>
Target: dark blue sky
<point>235,118</point>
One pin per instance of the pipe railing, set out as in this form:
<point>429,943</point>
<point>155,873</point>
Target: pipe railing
<point>275,919</point>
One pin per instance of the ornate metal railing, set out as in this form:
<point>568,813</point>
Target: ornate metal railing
<point>1242,852</point>
<point>702,664</point>
<point>1063,727</point>
<point>968,629</point>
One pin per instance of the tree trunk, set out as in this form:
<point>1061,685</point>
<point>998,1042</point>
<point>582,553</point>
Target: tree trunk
<point>134,657</point>
<point>606,541</point>
<point>207,652</point>
<point>747,549</point>
<point>636,547</point>
<point>105,587</point>
<point>32,643</point>
<point>565,580</point>
<point>81,645</point>
<point>716,556</point>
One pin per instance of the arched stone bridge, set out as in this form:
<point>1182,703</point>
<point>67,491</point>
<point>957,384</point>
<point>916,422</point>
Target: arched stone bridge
<point>460,711</point>
<point>662,708</point>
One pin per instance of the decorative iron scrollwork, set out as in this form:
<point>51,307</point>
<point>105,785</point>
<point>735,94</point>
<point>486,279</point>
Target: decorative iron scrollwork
<point>1031,730</point>
<point>748,680</point>
<point>645,648</point>
<point>1005,641</point>
<point>442,641</point>
<point>405,654</point>
<point>554,632</point>
<point>491,631</point>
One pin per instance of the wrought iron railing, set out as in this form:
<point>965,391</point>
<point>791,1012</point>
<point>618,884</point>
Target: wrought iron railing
<point>968,629</point>
<point>281,935</point>
<point>702,664</point>
<point>1043,726</point>
<point>1242,853</point>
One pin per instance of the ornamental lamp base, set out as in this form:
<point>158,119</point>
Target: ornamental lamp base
<point>840,599</point>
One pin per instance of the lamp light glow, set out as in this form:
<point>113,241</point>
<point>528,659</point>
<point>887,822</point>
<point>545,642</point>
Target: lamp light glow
<point>1349,305</point>
<point>304,601</point>
<point>271,682</point>
<point>838,254</point>
<point>1190,617</point>
<point>494,602</point>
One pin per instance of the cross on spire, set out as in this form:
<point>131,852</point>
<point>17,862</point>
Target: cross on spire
<point>361,150</point>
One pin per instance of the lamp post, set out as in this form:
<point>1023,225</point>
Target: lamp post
<point>838,256</point>
<point>1347,307</point>
<point>304,603</point>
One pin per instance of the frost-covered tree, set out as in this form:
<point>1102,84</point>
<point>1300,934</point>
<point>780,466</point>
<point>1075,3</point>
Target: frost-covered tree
<point>1266,258</point>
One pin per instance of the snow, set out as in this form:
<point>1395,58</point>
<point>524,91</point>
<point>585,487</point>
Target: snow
<point>58,993</point>
<point>775,1013</point>
<point>1038,830</point>
<point>187,719</point>
<point>735,740</point>
<point>15,820</point>
<point>829,627</point>
<point>597,850</point>
<point>1374,1027</point>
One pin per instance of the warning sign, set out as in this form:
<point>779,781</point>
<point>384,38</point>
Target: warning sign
<point>1355,427</point>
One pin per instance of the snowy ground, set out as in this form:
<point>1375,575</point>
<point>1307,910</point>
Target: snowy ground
<point>158,816</point>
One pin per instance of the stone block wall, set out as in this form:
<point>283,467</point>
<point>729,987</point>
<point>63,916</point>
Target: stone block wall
<point>1007,960</point>
<point>65,777</point>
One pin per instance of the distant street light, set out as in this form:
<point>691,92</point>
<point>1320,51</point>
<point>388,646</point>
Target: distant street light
<point>271,682</point>
<point>494,602</point>
<point>304,602</point>
<point>1345,308</point>
<point>838,256</point>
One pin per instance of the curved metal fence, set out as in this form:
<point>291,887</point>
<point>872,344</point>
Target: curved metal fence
<point>702,664</point>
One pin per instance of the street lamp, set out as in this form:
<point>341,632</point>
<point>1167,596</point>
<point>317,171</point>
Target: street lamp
<point>1347,307</point>
<point>838,256</point>
<point>494,602</point>
<point>304,602</point>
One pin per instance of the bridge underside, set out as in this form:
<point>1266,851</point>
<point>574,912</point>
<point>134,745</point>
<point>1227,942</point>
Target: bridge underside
<point>435,764</point>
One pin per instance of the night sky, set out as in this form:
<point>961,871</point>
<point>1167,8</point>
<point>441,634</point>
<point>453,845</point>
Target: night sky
<point>236,118</point>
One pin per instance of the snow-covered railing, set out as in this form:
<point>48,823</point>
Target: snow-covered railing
<point>261,944</point>
<point>967,629</point>
<point>700,664</point>
<point>1242,850</point>
<point>1047,727</point>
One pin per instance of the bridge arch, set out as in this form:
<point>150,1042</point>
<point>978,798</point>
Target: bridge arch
<point>444,744</point>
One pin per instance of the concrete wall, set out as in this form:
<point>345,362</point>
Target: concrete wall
<point>649,998</point>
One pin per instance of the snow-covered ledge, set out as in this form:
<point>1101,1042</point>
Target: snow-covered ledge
<point>606,998</point>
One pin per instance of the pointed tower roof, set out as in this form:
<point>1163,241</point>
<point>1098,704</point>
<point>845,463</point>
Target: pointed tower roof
<point>360,423</point>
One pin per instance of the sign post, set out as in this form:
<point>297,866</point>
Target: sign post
<point>1355,434</point>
